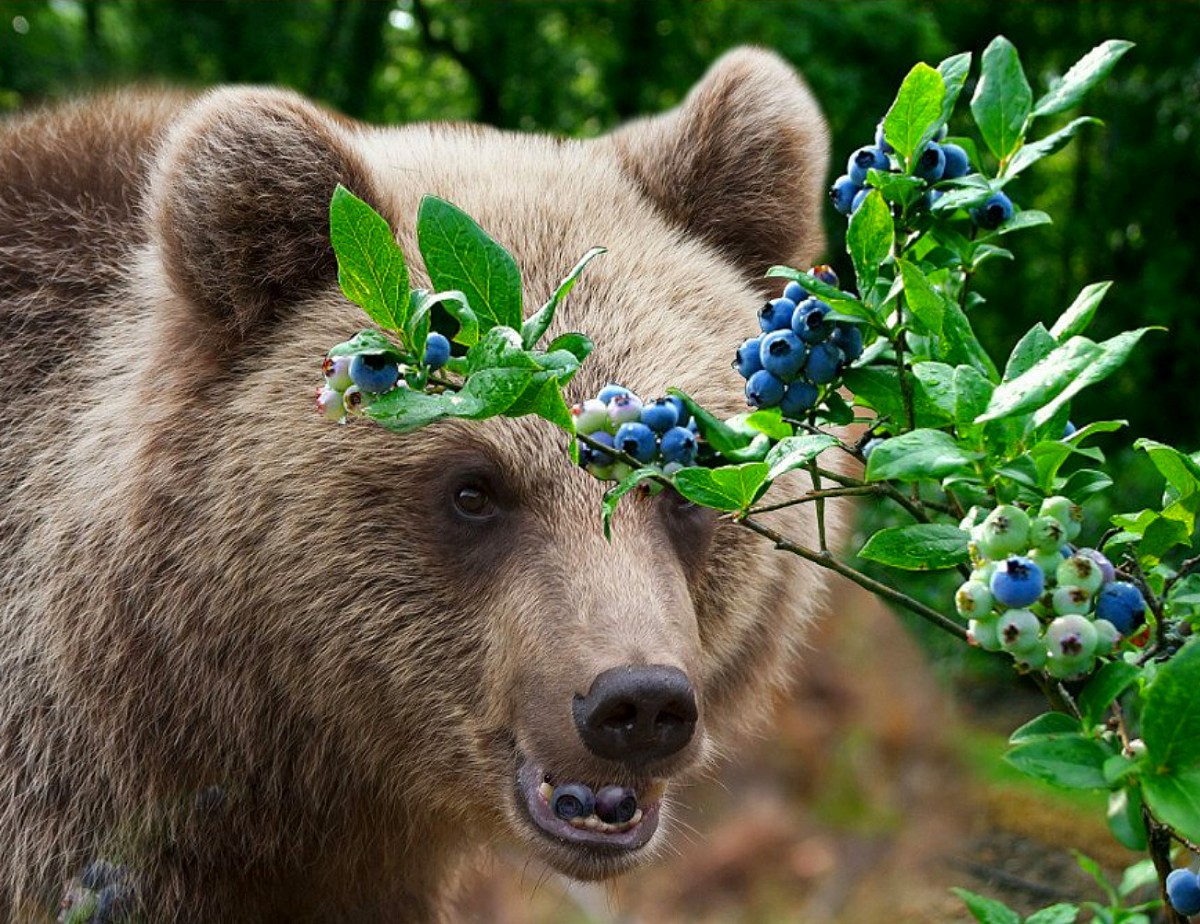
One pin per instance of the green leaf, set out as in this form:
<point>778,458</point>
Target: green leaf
<point>961,346</point>
<point>719,435</point>
<point>972,392</point>
<point>869,239</point>
<point>1112,355</point>
<point>834,410</point>
<point>769,421</point>
<point>1030,350</point>
<point>920,547</point>
<point>538,323</point>
<point>1174,798</point>
<point>1048,724</point>
<point>578,345</point>
<point>915,114</point>
<point>461,255</point>
<point>490,392</point>
<point>1061,913</point>
<point>1083,484</point>
<point>371,269</point>
<point>1083,75</point>
<point>796,452</point>
<point>987,910</point>
<point>1043,381</point>
<point>878,387</point>
<point>1124,817</point>
<point>937,381</point>
<point>954,71</point>
<point>1109,682</point>
<point>366,341</point>
<point>403,409</point>
<point>837,299</point>
<point>500,348</point>
<point>731,487</point>
<point>917,456</point>
<point>896,187</point>
<point>543,396</point>
<point>1031,153</point>
<point>416,328</point>
<point>924,301</point>
<point>1069,761</point>
<point>1027,218</point>
<point>1138,876</point>
<point>972,190</point>
<point>613,495</point>
<point>1075,320</point>
<point>1003,99</point>
<point>1179,469</point>
<point>1171,712</point>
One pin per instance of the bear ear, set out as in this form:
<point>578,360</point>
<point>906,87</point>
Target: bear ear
<point>240,204</point>
<point>741,162</point>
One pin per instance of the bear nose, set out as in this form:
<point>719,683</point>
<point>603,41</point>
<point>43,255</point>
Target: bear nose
<point>635,714</point>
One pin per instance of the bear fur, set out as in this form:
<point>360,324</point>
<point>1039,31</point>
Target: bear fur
<point>260,659</point>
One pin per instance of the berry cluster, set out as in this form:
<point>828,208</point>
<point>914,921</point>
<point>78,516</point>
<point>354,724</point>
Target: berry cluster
<point>1183,891</point>
<point>659,433</point>
<point>939,160</point>
<point>1033,594</point>
<point>799,350</point>
<point>610,809</point>
<point>353,381</point>
<point>102,895</point>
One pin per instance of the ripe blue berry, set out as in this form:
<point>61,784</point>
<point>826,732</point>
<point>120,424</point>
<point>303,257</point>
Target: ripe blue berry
<point>864,159</point>
<point>957,162</point>
<point>776,314</point>
<point>994,212</point>
<point>858,200</point>
<point>610,391</point>
<point>842,194</point>
<point>782,354</point>
<point>597,456</point>
<point>799,398</point>
<point>437,350</point>
<point>637,440</point>
<point>1183,891</point>
<point>747,361</point>
<point>795,292</point>
<point>685,416</point>
<point>824,360</point>
<point>826,274</point>
<point>847,338</point>
<point>1122,604</point>
<point>678,446</point>
<point>871,445</point>
<point>616,804</point>
<point>337,372</point>
<point>764,389</point>
<point>624,408</point>
<point>589,415</point>
<point>572,800</point>
<point>374,373</point>
<point>808,321</point>
<point>931,163</point>
<point>1017,582</point>
<point>660,415</point>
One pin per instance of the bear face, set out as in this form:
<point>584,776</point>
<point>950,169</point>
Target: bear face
<point>380,647</point>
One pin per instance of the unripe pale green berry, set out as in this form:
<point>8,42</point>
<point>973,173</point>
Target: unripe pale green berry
<point>1019,630</point>
<point>1047,561</point>
<point>982,632</point>
<point>1047,534</point>
<point>1080,571</point>
<point>1069,514</point>
<point>1032,659</point>
<point>1071,645</point>
<point>983,572</point>
<point>1004,532</point>
<point>1070,600</point>
<point>1107,636</point>
<point>590,415</point>
<point>973,600</point>
<point>356,400</point>
<point>329,403</point>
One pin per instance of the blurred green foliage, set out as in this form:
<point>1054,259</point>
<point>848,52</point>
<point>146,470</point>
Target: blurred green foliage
<point>1123,197</point>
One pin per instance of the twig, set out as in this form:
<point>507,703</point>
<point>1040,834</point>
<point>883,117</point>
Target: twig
<point>809,497</point>
<point>1159,837</point>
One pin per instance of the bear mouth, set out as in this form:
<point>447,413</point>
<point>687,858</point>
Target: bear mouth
<point>534,785</point>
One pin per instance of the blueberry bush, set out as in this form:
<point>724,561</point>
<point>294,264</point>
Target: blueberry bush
<point>979,462</point>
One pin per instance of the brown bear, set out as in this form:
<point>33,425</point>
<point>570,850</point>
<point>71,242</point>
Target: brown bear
<point>280,670</point>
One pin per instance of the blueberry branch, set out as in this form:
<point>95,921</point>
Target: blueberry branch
<point>1159,837</point>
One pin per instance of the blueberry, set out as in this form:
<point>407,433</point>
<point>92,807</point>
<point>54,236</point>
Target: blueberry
<point>826,274</point>
<point>685,416</point>
<point>679,445</point>
<point>881,141</point>
<point>799,398</point>
<point>824,360</point>
<point>1069,430</point>
<point>973,599</point>
<point>746,361</point>
<point>942,132</point>
<point>1122,604</point>
<point>1071,640</point>
<point>660,415</point>
<point>931,163</point>
<point>637,440</point>
<point>1183,891</point>
<point>982,633</point>
<point>610,391</point>
<point>437,350</point>
<point>337,372</point>
<point>597,456</point>
<point>842,194</point>
<point>329,403</point>
<point>776,314</point>
<point>616,804</point>
<point>858,200</point>
<point>994,212</point>
<point>764,389</point>
<point>1080,571</point>
<point>808,321</point>
<point>589,415</point>
<point>847,338</point>
<point>1004,532</point>
<point>1107,636</point>
<point>782,354</point>
<point>374,373</point>
<point>1017,582</point>
<point>794,292</point>
<point>1107,572</point>
<point>355,400</point>
<point>1019,630</point>
<point>1069,514</point>
<point>871,445</point>
<point>864,159</point>
<point>1069,601</point>
<point>1046,534</point>
<point>572,800</point>
<point>624,408</point>
<point>957,162</point>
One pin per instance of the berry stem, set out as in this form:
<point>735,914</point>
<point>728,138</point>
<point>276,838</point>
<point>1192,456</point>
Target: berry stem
<point>1159,838</point>
<point>827,560</point>
<point>811,496</point>
<point>815,472</point>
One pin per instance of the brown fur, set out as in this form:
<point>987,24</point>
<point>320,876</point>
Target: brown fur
<point>204,584</point>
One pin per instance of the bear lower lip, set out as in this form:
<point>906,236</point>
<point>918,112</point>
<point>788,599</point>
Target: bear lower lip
<point>531,792</point>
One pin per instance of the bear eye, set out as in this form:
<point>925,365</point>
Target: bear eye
<point>474,501</point>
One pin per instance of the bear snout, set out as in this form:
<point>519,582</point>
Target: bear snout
<point>635,714</point>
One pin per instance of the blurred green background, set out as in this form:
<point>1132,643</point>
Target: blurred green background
<point>1124,198</point>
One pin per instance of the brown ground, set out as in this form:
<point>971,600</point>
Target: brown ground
<point>858,808</point>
